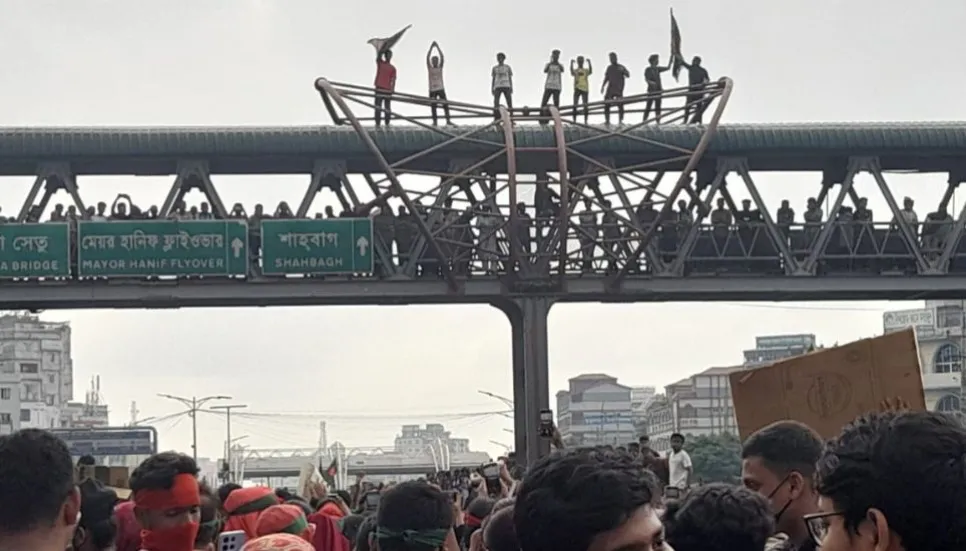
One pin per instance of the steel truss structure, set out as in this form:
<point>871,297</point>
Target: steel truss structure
<point>531,254</point>
<point>523,225</point>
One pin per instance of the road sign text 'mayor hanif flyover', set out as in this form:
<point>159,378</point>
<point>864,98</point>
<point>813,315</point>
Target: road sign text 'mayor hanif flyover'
<point>34,250</point>
<point>330,246</point>
<point>162,248</point>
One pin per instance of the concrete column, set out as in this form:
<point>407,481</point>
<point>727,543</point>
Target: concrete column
<point>531,381</point>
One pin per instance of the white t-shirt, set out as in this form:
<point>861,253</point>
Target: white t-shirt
<point>502,77</point>
<point>554,76</point>
<point>678,465</point>
<point>436,79</point>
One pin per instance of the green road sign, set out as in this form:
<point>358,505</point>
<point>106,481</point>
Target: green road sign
<point>331,246</point>
<point>145,248</point>
<point>34,250</point>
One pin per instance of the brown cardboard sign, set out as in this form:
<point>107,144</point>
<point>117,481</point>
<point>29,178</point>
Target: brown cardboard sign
<point>828,388</point>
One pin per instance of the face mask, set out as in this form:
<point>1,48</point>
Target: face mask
<point>788,504</point>
<point>175,538</point>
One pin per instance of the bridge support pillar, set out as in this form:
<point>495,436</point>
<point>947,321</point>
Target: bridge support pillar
<point>531,370</point>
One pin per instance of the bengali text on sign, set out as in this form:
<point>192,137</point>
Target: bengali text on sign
<point>330,246</point>
<point>34,251</point>
<point>162,248</point>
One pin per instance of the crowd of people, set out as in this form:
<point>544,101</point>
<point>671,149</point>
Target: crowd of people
<point>612,86</point>
<point>889,481</point>
<point>475,237</point>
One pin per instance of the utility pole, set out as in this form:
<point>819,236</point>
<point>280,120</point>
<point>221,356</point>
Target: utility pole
<point>194,404</point>
<point>227,410</point>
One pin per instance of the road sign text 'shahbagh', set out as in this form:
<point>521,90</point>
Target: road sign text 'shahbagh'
<point>330,246</point>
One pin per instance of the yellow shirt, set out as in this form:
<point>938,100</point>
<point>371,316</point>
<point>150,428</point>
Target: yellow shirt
<point>581,82</point>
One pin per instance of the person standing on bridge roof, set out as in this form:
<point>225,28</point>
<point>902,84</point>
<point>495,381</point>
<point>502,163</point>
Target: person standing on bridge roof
<point>581,76</point>
<point>501,84</point>
<point>698,80</point>
<point>613,88</point>
<point>437,92</point>
<point>652,75</point>
<point>385,86</point>
<point>554,83</point>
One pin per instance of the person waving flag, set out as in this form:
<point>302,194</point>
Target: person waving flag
<point>382,45</point>
<point>676,56</point>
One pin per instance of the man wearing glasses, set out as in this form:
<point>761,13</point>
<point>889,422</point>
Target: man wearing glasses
<point>778,462</point>
<point>893,481</point>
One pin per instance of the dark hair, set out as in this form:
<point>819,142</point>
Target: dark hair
<point>226,489</point>
<point>677,435</point>
<point>719,517</point>
<point>481,506</point>
<point>366,529</point>
<point>158,471</point>
<point>600,488</point>
<point>412,506</point>
<point>283,494</point>
<point>345,496</point>
<point>86,460</point>
<point>911,466</point>
<point>653,57</point>
<point>97,514</point>
<point>350,526</point>
<point>36,477</point>
<point>300,502</point>
<point>211,520</point>
<point>785,446</point>
<point>499,533</point>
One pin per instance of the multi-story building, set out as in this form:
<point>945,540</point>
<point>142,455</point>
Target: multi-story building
<point>641,398</point>
<point>942,344</point>
<point>595,410</point>
<point>88,414</point>
<point>36,373</point>
<point>698,405</point>
<point>773,348</point>
<point>415,440</point>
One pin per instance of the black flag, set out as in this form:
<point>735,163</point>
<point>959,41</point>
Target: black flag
<point>329,474</point>
<point>675,47</point>
<point>383,44</point>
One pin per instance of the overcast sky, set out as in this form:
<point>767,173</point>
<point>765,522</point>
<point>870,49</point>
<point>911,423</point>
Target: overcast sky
<point>230,62</point>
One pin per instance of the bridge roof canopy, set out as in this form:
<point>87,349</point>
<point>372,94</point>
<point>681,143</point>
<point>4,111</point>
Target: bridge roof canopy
<point>40,144</point>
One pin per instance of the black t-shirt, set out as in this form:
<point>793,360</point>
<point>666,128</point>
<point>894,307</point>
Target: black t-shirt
<point>616,75</point>
<point>697,75</point>
<point>653,77</point>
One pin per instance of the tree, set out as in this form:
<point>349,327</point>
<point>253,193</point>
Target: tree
<point>715,458</point>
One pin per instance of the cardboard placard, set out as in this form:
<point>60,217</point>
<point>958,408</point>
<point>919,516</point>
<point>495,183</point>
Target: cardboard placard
<point>830,387</point>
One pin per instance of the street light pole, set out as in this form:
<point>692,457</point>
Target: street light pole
<point>228,409</point>
<point>194,404</point>
<point>503,399</point>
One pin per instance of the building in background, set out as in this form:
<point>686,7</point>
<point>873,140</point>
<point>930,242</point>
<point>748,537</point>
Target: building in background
<point>595,410</point>
<point>91,413</point>
<point>698,405</point>
<point>415,440</point>
<point>772,348</point>
<point>36,372</point>
<point>641,398</point>
<point>942,344</point>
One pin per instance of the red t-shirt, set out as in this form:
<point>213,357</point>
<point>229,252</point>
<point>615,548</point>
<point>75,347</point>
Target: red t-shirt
<point>385,76</point>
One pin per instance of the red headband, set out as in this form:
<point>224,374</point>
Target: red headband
<point>183,493</point>
<point>472,521</point>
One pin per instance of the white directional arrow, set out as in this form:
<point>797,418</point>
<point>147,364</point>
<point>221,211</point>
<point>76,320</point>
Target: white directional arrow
<point>236,247</point>
<point>363,244</point>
